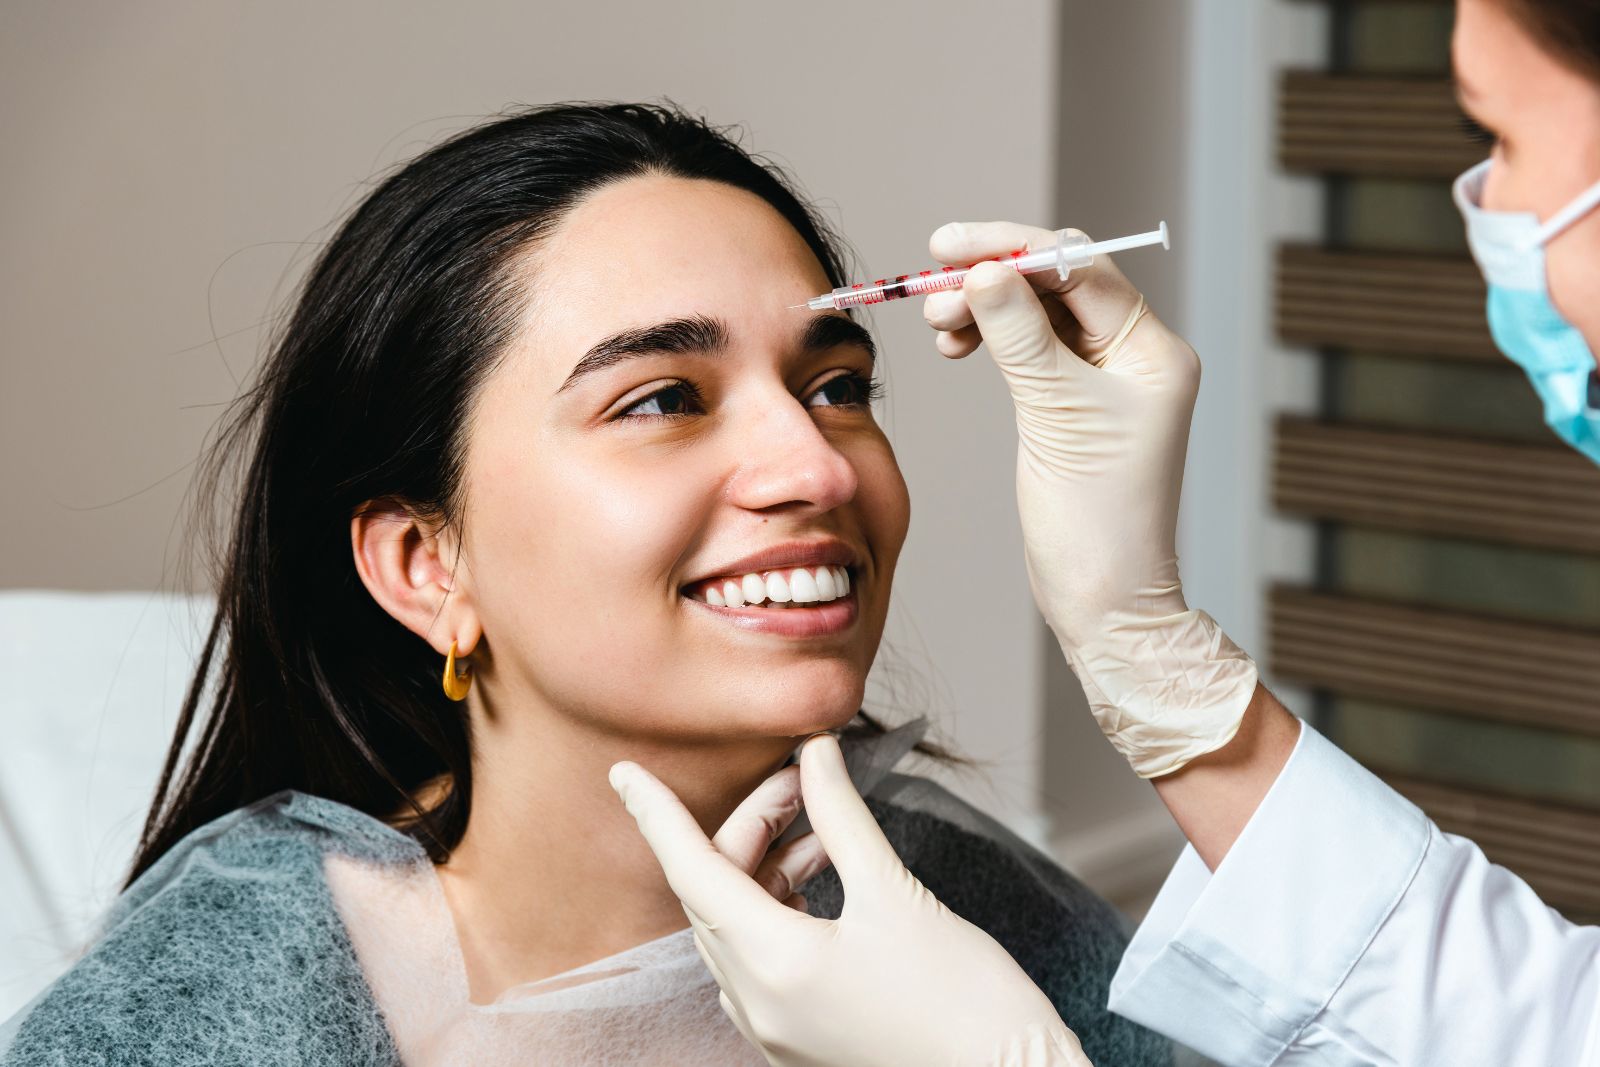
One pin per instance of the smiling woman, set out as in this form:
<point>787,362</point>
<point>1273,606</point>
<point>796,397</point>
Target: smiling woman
<point>542,414</point>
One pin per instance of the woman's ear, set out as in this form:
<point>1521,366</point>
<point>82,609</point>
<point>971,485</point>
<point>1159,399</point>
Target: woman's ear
<point>408,566</point>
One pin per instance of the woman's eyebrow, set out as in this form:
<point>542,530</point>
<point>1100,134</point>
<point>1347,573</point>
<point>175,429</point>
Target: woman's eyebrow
<point>697,333</point>
<point>703,334</point>
<point>830,331</point>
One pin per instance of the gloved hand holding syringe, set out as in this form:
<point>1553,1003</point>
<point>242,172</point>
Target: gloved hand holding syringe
<point>1103,394</point>
<point>1072,251</point>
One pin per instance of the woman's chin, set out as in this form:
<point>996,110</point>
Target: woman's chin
<point>789,703</point>
<point>803,719</point>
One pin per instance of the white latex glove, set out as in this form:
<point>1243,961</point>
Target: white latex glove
<point>1103,393</point>
<point>897,979</point>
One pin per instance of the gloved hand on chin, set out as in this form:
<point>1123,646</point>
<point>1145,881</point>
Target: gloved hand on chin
<point>898,978</point>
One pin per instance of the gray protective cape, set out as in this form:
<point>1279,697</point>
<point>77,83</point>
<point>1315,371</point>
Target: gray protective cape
<point>298,930</point>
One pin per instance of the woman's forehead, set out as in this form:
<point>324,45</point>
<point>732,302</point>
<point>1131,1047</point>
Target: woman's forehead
<point>674,236</point>
<point>654,248</point>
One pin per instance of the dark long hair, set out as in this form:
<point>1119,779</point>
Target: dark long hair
<point>364,395</point>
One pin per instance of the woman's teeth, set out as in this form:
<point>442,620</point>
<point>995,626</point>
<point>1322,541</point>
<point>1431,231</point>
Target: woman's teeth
<point>801,585</point>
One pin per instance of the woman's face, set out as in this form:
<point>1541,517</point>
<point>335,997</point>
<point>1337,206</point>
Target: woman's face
<point>661,417</point>
<point>1546,118</point>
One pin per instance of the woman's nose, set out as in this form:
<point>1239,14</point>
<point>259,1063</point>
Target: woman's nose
<point>785,458</point>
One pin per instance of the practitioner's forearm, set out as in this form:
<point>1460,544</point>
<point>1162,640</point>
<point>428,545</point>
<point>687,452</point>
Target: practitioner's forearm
<point>1214,796</point>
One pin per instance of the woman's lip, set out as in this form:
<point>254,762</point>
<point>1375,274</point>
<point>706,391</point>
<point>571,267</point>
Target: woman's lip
<point>821,620</point>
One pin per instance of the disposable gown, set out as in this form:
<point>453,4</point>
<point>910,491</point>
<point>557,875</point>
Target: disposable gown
<point>298,931</point>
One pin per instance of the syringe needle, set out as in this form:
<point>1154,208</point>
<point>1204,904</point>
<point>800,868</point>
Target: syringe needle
<point>791,307</point>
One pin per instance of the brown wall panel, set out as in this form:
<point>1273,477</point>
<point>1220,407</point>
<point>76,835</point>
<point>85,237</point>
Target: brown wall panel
<point>1410,303</point>
<point>1543,496</point>
<point>1381,126</point>
<point>1518,672</point>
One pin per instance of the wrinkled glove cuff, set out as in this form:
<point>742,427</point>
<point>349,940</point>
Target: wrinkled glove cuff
<point>1165,690</point>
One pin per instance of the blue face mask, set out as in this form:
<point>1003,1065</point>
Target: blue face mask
<point>1509,248</point>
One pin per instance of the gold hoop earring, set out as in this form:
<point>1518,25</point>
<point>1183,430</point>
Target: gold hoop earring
<point>457,680</point>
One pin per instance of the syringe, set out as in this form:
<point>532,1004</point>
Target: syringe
<point>1070,252</point>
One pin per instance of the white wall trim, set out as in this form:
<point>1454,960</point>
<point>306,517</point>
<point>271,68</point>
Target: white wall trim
<point>1122,857</point>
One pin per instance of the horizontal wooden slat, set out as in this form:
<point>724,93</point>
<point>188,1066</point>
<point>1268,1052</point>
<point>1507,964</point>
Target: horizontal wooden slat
<point>1555,849</point>
<point>1518,672</point>
<point>1543,496</point>
<point>1414,304</point>
<point>1372,125</point>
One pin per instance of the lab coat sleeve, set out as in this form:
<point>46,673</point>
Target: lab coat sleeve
<point>1343,927</point>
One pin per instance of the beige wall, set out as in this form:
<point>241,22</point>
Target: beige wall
<point>1122,165</point>
<point>166,164</point>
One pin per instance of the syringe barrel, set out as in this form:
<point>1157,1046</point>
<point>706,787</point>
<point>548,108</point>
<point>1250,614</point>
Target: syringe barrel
<point>920,284</point>
<point>1062,257</point>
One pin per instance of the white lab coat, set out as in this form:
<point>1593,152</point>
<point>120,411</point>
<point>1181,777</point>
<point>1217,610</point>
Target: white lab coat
<point>1343,927</point>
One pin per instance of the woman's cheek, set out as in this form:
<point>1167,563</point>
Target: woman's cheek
<point>620,522</point>
<point>887,501</point>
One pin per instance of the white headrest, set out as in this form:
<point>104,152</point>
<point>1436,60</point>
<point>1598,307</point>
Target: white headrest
<point>90,689</point>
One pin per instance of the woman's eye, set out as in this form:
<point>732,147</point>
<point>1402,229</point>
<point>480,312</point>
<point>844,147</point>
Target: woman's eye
<point>849,390</point>
<point>681,399</point>
<point>670,402</point>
